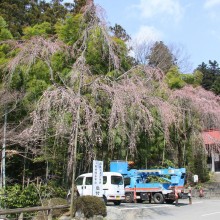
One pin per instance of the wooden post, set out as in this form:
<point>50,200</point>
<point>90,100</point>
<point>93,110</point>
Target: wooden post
<point>31,209</point>
<point>21,216</point>
<point>50,214</point>
<point>75,148</point>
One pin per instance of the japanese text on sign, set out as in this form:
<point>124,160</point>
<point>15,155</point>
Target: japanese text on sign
<point>97,184</point>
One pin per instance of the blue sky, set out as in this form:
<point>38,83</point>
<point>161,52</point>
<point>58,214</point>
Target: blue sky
<point>190,24</point>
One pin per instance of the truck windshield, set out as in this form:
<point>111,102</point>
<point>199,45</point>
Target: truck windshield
<point>79,181</point>
<point>116,180</point>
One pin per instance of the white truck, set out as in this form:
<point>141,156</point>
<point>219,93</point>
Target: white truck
<point>112,188</point>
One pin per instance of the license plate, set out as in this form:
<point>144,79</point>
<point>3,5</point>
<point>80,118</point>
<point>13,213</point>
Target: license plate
<point>117,197</point>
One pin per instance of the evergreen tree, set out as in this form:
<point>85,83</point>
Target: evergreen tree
<point>161,57</point>
<point>78,6</point>
<point>120,32</point>
<point>22,13</point>
<point>211,74</point>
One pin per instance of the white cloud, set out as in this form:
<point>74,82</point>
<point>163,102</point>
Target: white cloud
<point>211,3</point>
<point>147,34</point>
<point>152,8</point>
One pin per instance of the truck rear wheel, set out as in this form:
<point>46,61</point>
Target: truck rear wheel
<point>158,198</point>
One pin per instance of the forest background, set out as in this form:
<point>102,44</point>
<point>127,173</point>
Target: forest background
<point>73,89</point>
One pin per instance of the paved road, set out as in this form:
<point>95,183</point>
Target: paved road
<point>204,209</point>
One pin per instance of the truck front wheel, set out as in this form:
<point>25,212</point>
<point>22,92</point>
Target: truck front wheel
<point>117,202</point>
<point>158,198</point>
<point>104,200</point>
<point>129,197</point>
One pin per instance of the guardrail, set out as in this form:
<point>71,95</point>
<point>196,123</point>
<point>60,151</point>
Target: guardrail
<point>20,211</point>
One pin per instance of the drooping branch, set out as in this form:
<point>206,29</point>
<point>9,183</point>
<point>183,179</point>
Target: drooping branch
<point>206,103</point>
<point>94,23</point>
<point>32,50</point>
<point>132,100</point>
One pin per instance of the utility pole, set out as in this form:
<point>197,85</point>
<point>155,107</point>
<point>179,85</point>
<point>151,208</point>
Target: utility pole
<point>75,147</point>
<point>2,182</point>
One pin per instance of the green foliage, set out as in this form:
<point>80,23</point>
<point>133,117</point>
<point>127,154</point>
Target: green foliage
<point>78,5</point>
<point>61,65</point>
<point>161,57</point>
<point>157,179</point>
<point>90,206</point>
<point>211,74</point>
<point>3,23</point>
<point>23,13</point>
<point>123,53</point>
<point>200,164</point>
<point>188,78</point>
<point>216,86</point>
<point>55,202</point>
<point>97,54</point>
<point>16,197</point>
<point>5,34</point>
<point>168,163</point>
<point>70,29</point>
<point>4,57</point>
<point>198,77</point>
<point>32,195</point>
<point>35,89</point>
<point>43,29</point>
<point>34,83</point>
<point>37,18</point>
<point>120,33</point>
<point>174,79</point>
<point>194,79</point>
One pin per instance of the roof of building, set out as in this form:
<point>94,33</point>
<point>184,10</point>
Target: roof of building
<point>211,137</point>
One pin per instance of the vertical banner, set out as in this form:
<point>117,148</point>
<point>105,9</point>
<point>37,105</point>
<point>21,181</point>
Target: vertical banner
<point>97,180</point>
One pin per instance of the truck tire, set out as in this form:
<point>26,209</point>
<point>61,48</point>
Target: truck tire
<point>117,202</point>
<point>158,198</point>
<point>129,197</point>
<point>104,200</point>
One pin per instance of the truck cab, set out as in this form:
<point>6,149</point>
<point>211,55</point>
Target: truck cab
<point>113,186</point>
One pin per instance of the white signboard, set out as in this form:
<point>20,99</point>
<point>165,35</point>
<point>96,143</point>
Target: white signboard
<point>97,180</point>
<point>195,178</point>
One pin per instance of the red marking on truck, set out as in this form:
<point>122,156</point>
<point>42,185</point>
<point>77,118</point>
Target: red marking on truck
<point>142,189</point>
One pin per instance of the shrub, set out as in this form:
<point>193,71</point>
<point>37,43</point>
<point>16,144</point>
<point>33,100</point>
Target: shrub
<point>16,197</point>
<point>31,195</point>
<point>55,202</point>
<point>90,206</point>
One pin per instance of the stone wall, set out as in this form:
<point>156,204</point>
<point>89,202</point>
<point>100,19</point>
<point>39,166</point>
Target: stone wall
<point>211,190</point>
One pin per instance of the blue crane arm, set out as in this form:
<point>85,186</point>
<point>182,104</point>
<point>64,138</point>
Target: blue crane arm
<point>177,176</point>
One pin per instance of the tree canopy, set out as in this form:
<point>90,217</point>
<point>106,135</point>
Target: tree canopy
<point>211,76</point>
<point>73,93</point>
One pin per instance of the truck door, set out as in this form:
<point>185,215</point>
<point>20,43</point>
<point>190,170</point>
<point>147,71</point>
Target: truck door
<point>79,185</point>
<point>84,185</point>
<point>87,190</point>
